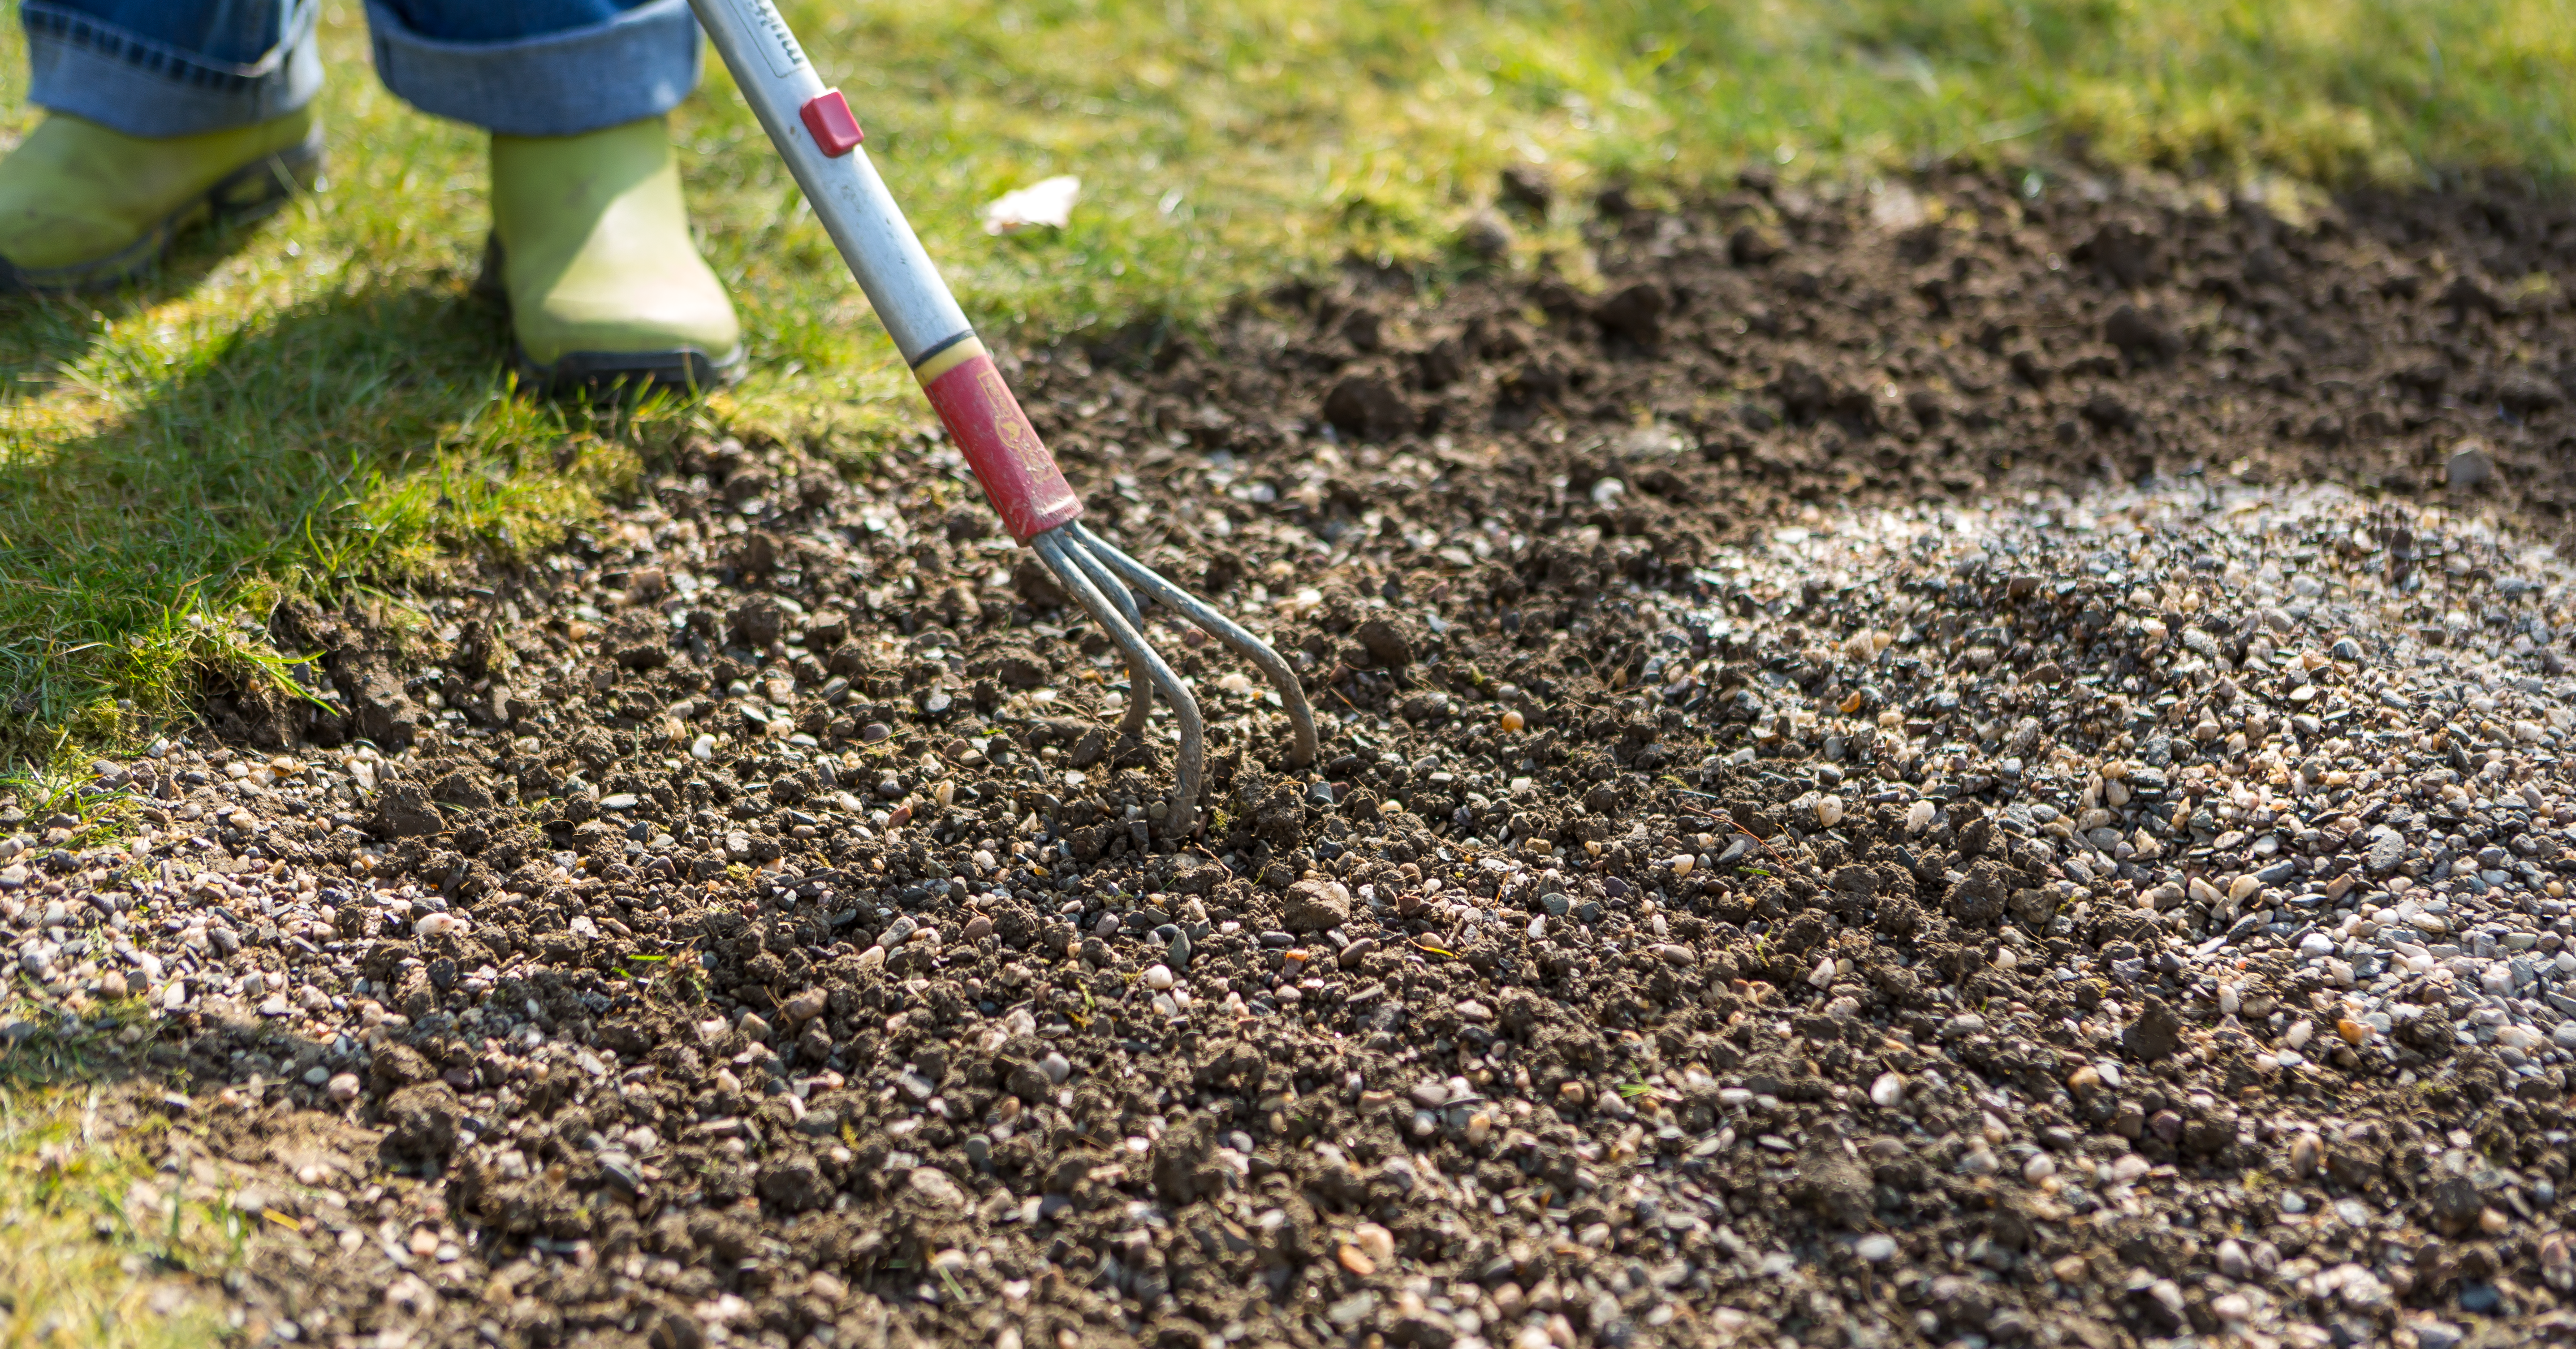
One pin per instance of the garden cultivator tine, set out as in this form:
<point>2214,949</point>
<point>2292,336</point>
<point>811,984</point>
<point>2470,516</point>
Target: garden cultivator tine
<point>1140,673</point>
<point>1292,694</point>
<point>816,133</point>
<point>1075,567</point>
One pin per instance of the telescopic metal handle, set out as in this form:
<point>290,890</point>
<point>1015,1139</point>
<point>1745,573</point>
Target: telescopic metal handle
<point>820,138</point>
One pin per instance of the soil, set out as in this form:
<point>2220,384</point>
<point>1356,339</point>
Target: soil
<point>742,928</point>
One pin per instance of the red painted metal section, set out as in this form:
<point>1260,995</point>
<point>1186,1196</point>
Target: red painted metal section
<point>834,127</point>
<point>1018,473</point>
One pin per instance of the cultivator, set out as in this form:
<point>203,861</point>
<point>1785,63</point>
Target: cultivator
<point>820,138</point>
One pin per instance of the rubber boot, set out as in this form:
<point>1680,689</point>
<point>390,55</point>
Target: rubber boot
<point>590,248</point>
<point>82,206</point>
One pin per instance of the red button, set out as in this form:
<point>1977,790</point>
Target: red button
<point>828,117</point>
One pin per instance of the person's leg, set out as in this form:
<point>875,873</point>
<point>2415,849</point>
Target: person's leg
<point>160,113</point>
<point>540,68</point>
<point>164,68</point>
<point>590,238</point>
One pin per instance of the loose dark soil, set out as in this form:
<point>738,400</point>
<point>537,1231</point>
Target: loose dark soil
<point>803,991</point>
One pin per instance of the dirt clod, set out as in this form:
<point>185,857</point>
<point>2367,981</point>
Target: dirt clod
<point>2155,1034</point>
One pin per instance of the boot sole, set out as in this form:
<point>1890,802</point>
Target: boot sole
<point>608,374</point>
<point>611,374</point>
<point>251,192</point>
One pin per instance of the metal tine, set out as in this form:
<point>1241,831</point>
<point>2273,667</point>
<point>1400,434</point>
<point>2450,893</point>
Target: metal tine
<point>1062,556</point>
<point>1301,715</point>
<point>1140,681</point>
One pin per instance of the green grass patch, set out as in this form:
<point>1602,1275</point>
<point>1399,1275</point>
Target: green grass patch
<point>316,405</point>
<point>99,1245</point>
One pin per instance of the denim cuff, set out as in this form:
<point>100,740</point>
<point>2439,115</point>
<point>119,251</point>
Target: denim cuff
<point>89,69</point>
<point>637,65</point>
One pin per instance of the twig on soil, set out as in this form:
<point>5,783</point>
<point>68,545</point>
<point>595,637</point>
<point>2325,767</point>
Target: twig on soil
<point>1731,818</point>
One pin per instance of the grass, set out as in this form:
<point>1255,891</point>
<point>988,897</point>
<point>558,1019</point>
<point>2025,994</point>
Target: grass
<point>98,1247</point>
<point>315,404</point>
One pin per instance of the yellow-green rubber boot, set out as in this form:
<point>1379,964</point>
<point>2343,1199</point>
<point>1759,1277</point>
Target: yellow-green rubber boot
<point>82,206</point>
<point>590,246</point>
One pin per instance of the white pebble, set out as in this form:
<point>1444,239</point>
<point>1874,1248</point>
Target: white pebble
<point>2110,1072</point>
<point>439,924</point>
<point>1829,811</point>
<point>2243,887</point>
<point>1889,1089</point>
<point>1823,975</point>
<point>1159,978</point>
<point>2040,1167</point>
<point>703,748</point>
<point>1918,817</point>
<point>2297,1035</point>
<point>1877,1248</point>
<point>1682,863</point>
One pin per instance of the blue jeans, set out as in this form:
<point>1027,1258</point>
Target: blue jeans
<point>524,68</point>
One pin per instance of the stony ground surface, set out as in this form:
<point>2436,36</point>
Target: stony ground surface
<point>1870,796</point>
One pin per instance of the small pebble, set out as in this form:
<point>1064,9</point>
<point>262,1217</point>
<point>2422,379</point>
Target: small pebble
<point>1374,1241</point>
<point>807,1005</point>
